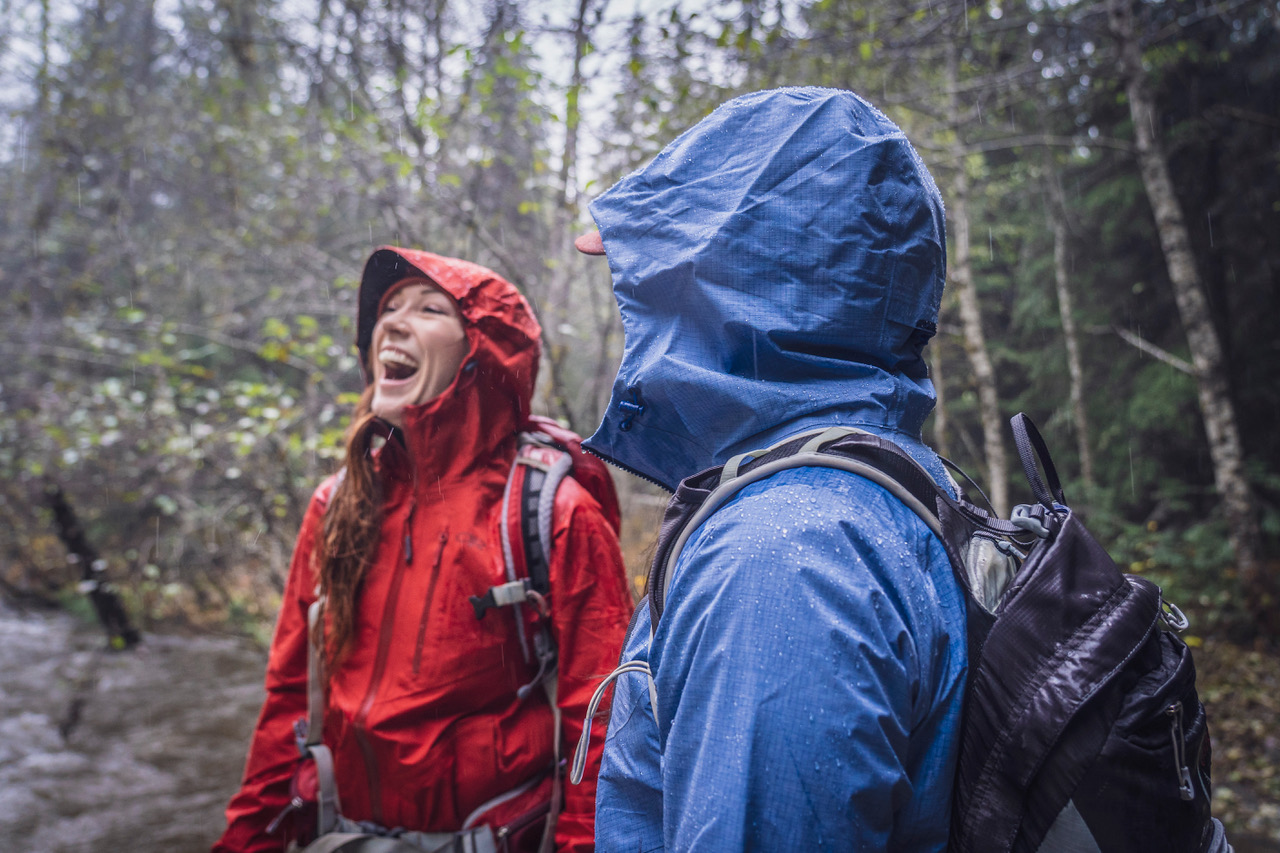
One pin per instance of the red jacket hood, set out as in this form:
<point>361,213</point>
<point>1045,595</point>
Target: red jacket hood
<point>492,393</point>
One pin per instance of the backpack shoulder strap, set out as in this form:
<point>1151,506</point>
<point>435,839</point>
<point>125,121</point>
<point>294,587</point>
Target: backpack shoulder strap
<point>545,469</point>
<point>528,508</point>
<point>527,515</point>
<point>844,448</point>
<point>309,732</point>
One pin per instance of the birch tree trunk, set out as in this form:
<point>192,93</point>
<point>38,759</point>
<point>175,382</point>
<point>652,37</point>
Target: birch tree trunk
<point>975,343</point>
<point>1216,406</point>
<point>941,415</point>
<point>1070,335</point>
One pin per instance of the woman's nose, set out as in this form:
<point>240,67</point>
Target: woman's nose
<point>393,321</point>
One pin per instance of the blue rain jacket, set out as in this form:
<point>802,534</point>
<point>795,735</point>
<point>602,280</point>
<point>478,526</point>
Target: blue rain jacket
<point>779,268</point>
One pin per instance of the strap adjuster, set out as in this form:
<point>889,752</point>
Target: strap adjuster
<point>507,594</point>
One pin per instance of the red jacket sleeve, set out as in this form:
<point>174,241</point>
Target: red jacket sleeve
<point>590,608</point>
<point>273,755</point>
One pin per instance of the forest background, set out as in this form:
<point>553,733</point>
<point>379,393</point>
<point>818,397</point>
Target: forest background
<point>189,188</point>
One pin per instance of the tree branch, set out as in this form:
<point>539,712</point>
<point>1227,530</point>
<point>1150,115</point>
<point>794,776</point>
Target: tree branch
<point>1147,347</point>
<point>1044,139</point>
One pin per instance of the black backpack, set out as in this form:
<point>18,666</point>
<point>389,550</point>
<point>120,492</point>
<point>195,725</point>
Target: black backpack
<point>1082,728</point>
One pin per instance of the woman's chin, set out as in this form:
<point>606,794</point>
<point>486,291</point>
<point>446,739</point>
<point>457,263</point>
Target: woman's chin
<point>390,407</point>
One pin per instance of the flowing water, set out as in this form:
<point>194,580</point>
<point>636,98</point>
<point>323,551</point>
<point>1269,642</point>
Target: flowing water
<point>119,751</point>
<point>135,751</point>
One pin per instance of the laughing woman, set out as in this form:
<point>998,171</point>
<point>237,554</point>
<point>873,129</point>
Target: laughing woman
<point>426,709</point>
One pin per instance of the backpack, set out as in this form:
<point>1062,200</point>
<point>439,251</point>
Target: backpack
<point>546,455</point>
<point>1082,730</point>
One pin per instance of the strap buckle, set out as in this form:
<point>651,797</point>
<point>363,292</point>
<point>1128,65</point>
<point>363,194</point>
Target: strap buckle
<point>507,594</point>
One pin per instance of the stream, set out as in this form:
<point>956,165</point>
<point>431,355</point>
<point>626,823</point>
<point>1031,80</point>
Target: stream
<point>139,751</point>
<point>119,751</point>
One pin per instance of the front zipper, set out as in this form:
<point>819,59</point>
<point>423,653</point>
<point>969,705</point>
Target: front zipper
<point>632,471</point>
<point>360,724</point>
<point>426,607</point>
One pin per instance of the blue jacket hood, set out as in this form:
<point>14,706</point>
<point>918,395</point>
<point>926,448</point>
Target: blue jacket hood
<point>778,266</point>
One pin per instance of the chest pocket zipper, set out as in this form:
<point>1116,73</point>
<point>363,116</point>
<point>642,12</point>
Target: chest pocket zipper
<point>426,605</point>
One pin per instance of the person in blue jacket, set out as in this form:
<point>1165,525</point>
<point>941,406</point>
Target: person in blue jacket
<point>779,269</point>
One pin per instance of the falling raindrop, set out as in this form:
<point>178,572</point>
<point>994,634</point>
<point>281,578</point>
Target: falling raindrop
<point>1133,488</point>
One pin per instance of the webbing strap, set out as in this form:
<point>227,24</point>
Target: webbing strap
<point>548,844</point>
<point>1031,447</point>
<point>540,573</point>
<point>357,842</point>
<point>353,840</point>
<point>508,555</point>
<point>328,808</point>
<point>730,488</point>
<point>818,439</point>
<point>315,673</point>
<point>536,484</point>
<point>827,436</point>
<point>579,766</point>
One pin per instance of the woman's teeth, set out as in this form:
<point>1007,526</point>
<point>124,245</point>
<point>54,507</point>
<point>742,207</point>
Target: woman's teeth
<point>396,364</point>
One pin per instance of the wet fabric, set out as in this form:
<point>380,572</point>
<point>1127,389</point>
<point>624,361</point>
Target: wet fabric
<point>779,268</point>
<point>783,261</point>
<point>423,716</point>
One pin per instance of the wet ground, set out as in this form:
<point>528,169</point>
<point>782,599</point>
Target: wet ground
<point>103,751</point>
<point>138,751</point>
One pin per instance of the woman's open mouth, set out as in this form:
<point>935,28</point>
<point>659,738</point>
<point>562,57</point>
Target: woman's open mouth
<point>397,365</point>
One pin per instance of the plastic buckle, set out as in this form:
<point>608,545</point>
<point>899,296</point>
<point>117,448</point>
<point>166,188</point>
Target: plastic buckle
<point>515,592</point>
<point>1173,617</point>
<point>300,731</point>
<point>1024,516</point>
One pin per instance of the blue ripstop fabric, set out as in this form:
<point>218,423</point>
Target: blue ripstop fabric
<point>779,268</point>
<point>782,260</point>
<point>810,672</point>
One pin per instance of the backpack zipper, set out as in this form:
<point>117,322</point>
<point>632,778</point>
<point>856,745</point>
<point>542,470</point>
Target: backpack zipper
<point>1174,713</point>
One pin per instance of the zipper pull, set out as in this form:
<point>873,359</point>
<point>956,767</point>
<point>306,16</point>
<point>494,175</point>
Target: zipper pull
<point>294,804</point>
<point>1174,712</point>
<point>408,532</point>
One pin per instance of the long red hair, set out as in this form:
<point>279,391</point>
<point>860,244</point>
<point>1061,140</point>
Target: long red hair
<point>350,532</point>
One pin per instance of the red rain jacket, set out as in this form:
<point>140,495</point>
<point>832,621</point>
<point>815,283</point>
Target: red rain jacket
<point>422,713</point>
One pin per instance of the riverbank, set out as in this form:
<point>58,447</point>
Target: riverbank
<point>104,751</point>
<point>110,751</point>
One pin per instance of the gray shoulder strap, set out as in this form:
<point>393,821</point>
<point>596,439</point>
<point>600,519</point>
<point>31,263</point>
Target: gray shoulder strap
<point>810,457</point>
<point>315,673</point>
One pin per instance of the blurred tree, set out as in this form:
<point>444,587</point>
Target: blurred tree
<point>191,187</point>
<point>1211,367</point>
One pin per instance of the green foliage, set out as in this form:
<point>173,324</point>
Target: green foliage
<point>184,216</point>
<point>185,221</point>
<point>1188,563</point>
